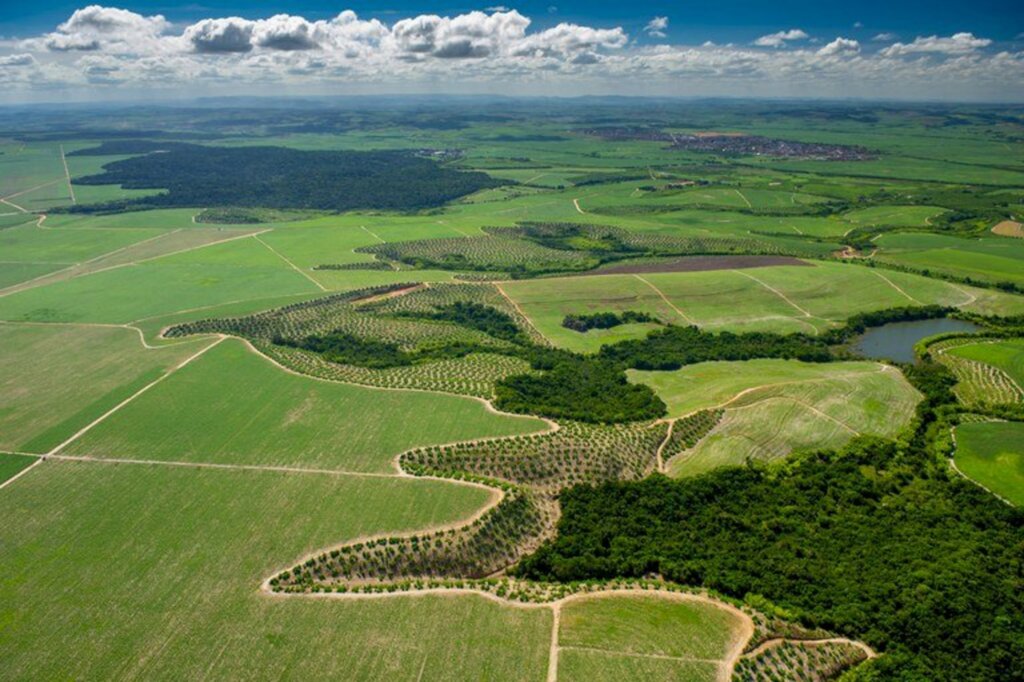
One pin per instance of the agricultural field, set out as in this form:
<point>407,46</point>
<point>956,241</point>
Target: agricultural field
<point>330,391</point>
<point>770,408</point>
<point>779,299</point>
<point>992,453</point>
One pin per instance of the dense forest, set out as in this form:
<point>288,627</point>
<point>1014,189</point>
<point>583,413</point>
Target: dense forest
<point>279,177</point>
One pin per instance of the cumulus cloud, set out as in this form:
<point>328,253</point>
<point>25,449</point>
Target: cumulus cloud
<point>840,46</point>
<point>781,38</point>
<point>214,36</point>
<point>956,44</point>
<point>94,27</point>
<point>656,27</point>
<point>23,59</point>
<point>493,50</point>
<point>885,37</point>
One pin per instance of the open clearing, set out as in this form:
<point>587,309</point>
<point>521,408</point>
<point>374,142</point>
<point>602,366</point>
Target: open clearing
<point>1009,228</point>
<point>773,407</point>
<point>992,453</point>
<point>233,406</point>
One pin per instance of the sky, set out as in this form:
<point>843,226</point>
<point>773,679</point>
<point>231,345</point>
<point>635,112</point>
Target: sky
<point>152,50</point>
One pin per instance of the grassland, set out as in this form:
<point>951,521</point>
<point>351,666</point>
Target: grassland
<point>992,453</point>
<point>1007,356</point>
<point>233,406</point>
<point>773,407</point>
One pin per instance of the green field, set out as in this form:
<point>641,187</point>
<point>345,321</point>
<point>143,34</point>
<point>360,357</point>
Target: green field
<point>774,407</point>
<point>1007,356</point>
<point>992,453</point>
<point>232,406</point>
<point>153,573</point>
<point>222,273</point>
<point>11,465</point>
<point>174,476</point>
<point>989,259</point>
<point>780,298</point>
<point>55,379</point>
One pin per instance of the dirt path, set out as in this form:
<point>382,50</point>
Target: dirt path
<point>367,231</point>
<point>778,641</point>
<point>292,265</point>
<point>514,304</point>
<point>664,298</point>
<point>576,203</point>
<point>556,625</point>
<point>745,199</point>
<point>659,460</point>
<point>81,432</point>
<point>67,175</point>
<point>894,286</point>
<point>774,291</point>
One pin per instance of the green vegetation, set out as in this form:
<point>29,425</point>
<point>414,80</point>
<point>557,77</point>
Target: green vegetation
<point>11,465</point>
<point>831,538</point>
<point>240,409</point>
<point>181,533</point>
<point>992,453</point>
<point>584,323</point>
<point>282,178</point>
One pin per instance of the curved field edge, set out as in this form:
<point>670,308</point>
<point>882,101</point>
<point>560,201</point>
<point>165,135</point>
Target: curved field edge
<point>991,454</point>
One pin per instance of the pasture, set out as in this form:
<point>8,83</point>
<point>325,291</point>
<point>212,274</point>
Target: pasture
<point>992,453</point>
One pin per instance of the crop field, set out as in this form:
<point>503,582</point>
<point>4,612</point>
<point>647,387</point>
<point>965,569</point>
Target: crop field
<point>773,407</point>
<point>233,406</point>
<point>11,465</point>
<point>322,399</point>
<point>992,453</point>
<point>617,637</point>
<point>990,259</point>
<point>782,299</point>
<point>167,562</point>
<point>989,371</point>
<point>40,407</point>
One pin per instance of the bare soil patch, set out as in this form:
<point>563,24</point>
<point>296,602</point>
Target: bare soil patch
<point>1009,228</point>
<point>698,264</point>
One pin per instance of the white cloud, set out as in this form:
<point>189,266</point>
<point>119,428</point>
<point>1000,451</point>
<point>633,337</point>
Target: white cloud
<point>656,27</point>
<point>212,36</point>
<point>23,59</point>
<point>101,48</point>
<point>781,38</point>
<point>885,37</point>
<point>956,44</point>
<point>95,27</point>
<point>840,46</point>
<point>858,24</point>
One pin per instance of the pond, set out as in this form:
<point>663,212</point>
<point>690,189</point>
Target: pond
<point>895,340</point>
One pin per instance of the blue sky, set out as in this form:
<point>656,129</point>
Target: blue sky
<point>872,49</point>
<point>721,21</point>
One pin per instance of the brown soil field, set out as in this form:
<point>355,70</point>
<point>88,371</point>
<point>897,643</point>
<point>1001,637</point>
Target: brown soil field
<point>1009,228</point>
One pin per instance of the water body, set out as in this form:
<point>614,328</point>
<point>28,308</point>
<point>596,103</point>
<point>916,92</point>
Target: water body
<point>895,340</point>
